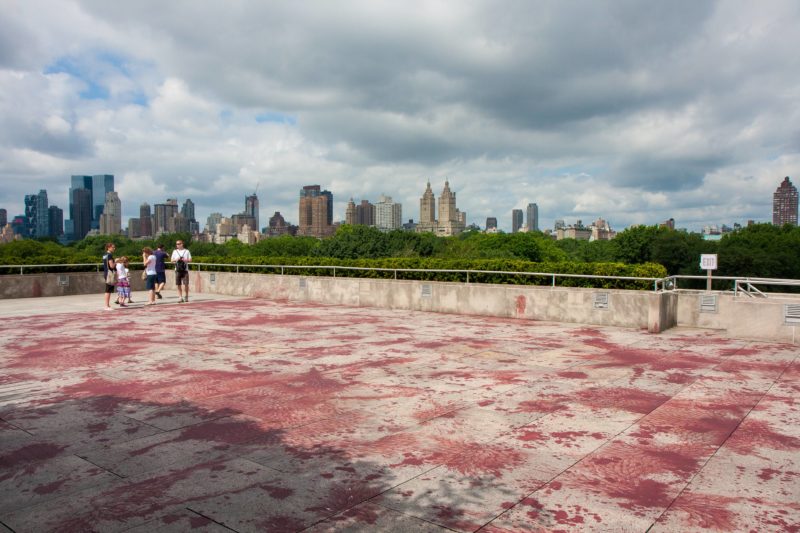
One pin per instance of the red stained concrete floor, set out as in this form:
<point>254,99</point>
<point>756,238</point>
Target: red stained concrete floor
<point>251,415</point>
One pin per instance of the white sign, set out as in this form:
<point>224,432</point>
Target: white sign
<point>708,261</point>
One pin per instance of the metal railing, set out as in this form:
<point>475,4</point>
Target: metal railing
<point>58,267</point>
<point>237,267</point>
<point>466,272</point>
<point>746,286</point>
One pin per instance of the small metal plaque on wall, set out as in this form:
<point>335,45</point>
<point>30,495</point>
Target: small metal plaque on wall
<point>212,278</point>
<point>63,280</point>
<point>427,290</point>
<point>302,283</point>
<point>600,300</point>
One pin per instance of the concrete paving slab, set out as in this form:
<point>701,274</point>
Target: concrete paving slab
<point>258,415</point>
<point>371,517</point>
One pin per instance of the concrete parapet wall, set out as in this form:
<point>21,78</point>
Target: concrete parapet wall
<point>638,309</point>
<point>741,317</point>
<point>69,284</point>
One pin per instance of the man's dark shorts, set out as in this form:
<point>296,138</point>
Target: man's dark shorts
<point>110,289</point>
<point>182,278</point>
<point>161,277</point>
<point>150,282</point>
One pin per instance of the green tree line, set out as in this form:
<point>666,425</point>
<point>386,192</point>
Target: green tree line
<point>761,250</point>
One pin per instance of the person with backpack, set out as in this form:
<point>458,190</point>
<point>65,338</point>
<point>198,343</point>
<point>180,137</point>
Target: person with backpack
<point>181,257</point>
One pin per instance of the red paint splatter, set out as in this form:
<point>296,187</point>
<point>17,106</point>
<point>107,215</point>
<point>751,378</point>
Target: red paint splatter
<point>572,375</point>
<point>535,436</point>
<point>755,434</point>
<point>30,453</point>
<point>49,488</point>
<point>540,406</point>
<point>278,493</point>
<point>705,511</point>
<point>470,458</point>
<point>521,304</point>
<point>627,399</point>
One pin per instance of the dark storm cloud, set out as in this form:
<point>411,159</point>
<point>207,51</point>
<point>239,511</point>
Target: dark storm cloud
<point>653,173</point>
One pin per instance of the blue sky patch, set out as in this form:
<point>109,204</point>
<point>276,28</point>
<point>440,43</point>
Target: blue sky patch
<point>280,118</point>
<point>66,65</point>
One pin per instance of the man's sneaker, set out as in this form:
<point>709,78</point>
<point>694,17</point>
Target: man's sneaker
<point>158,295</point>
<point>117,302</point>
<point>180,301</point>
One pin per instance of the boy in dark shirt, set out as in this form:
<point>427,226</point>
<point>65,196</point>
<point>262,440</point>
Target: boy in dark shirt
<point>161,269</point>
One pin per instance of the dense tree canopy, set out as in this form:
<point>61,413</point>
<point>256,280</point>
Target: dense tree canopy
<point>761,250</point>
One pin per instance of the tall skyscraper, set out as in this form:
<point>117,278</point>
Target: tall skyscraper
<point>315,212</point>
<point>427,207</point>
<point>145,228</point>
<point>55,221</point>
<point>388,214</point>
<point>533,217</point>
<point>784,204</point>
<point>451,220</point>
<point>447,204</point>
<point>251,208</point>
<point>350,213</point>
<point>365,213</point>
<point>81,213</point>
<point>164,217</point>
<point>187,210</point>
<point>78,182</point>
<point>491,223</point>
<point>111,217</point>
<point>3,218</point>
<point>212,221</point>
<point>97,186</point>
<point>41,220</point>
<point>27,230</point>
<point>102,184</point>
<point>516,220</point>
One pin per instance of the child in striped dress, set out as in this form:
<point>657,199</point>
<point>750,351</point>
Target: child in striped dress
<point>123,283</point>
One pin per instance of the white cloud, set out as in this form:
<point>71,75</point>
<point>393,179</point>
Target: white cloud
<point>631,112</point>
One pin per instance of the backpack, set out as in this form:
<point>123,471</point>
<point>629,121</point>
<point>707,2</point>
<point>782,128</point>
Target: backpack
<point>180,265</point>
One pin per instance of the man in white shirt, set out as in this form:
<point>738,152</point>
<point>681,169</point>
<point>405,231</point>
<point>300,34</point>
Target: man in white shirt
<point>181,257</point>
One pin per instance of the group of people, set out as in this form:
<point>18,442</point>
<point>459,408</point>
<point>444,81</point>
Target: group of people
<point>117,275</point>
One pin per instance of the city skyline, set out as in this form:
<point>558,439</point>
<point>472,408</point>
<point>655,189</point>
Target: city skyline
<point>314,220</point>
<point>631,112</point>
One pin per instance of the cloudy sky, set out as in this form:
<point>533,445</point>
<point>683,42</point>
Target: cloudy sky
<point>632,111</point>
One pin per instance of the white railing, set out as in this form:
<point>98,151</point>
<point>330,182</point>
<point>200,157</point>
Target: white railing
<point>285,269</point>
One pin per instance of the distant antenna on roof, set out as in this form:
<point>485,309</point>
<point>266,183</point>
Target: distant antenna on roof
<point>257,184</point>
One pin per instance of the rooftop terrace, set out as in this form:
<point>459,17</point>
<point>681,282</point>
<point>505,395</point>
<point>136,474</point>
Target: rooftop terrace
<point>254,415</point>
